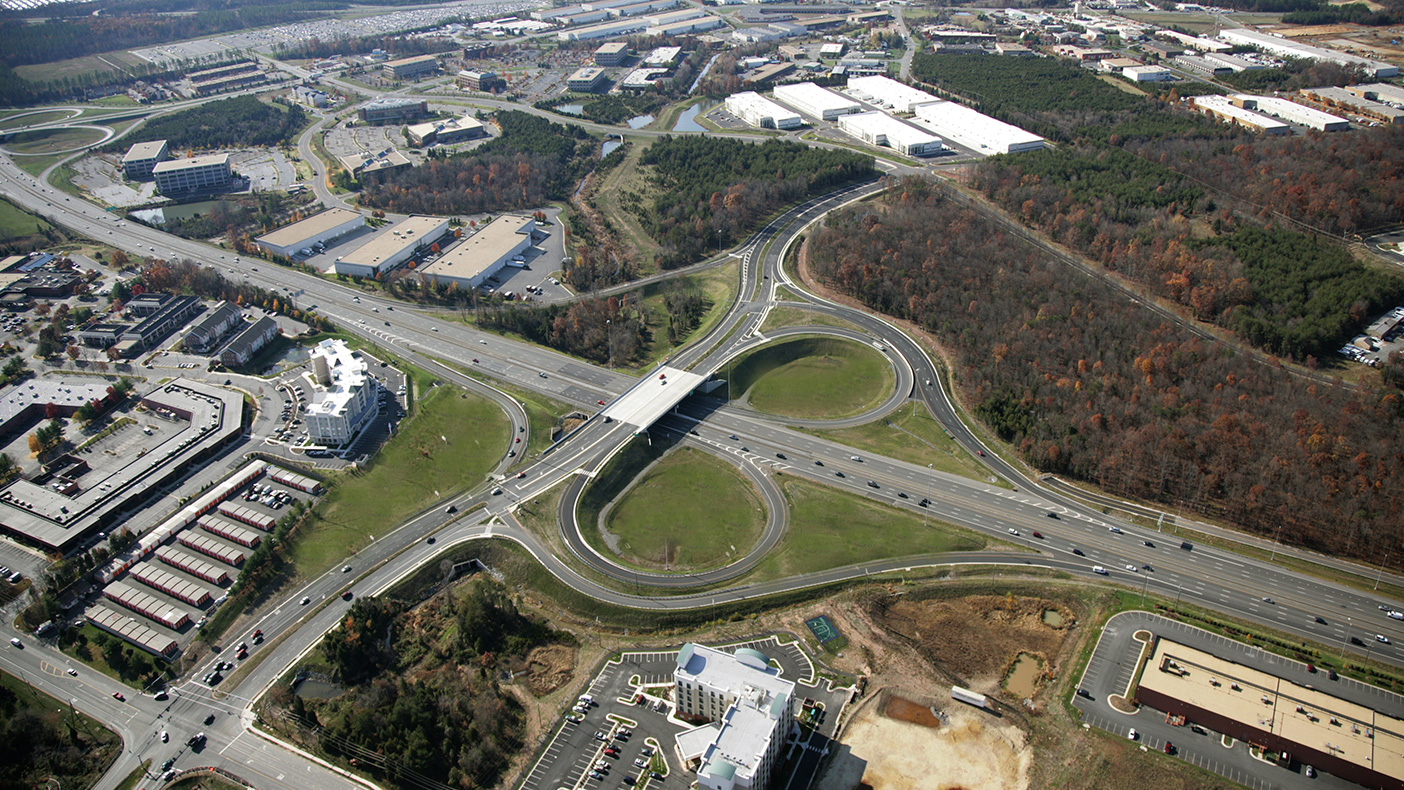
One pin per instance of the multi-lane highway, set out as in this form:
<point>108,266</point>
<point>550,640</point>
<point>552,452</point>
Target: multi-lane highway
<point>1074,538</point>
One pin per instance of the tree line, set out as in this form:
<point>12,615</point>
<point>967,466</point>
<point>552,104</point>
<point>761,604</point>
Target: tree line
<point>1082,381</point>
<point>237,122</point>
<point>711,192</point>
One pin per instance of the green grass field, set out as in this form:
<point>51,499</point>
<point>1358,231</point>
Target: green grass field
<point>16,223</point>
<point>35,165</point>
<point>780,317</point>
<point>910,435</point>
<point>719,288</point>
<point>690,511</point>
<point>830,528</point>
<point>48,142</point>
<point>813,378</point>
<point>34,119</point>
<point>450,443</point>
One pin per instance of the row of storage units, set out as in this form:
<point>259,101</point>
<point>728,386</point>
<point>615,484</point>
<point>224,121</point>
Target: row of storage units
<point>208,546</point>
<point>228,530</point>
<point>294,480</point>
<point>192,565</point>
<point>172,585</point>
<point>248,515</point>
<point>130,630</point>
<point>146,604</point>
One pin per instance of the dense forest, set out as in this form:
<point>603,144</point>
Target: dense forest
<point>1084,382</point>
<point>1282,291</point>
<point>532,162</point>
<point>240,122</point>
<point>423,700</point>
<point>46,744</point>
<point>711,192</point>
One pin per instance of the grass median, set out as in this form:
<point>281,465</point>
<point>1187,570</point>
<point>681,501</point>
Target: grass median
<point>691,511</point>
<point>813,378</point>
<point>911,435</point>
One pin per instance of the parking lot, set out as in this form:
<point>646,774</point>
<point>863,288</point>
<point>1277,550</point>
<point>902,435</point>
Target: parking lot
<point>290,432</point>
<point>624,737</point>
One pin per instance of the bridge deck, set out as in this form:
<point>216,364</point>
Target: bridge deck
<point>651,398</point>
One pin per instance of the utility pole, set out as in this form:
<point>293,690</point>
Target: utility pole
<point>1345,641</point>
<point>1278,534</point>
<point>1380,573</point>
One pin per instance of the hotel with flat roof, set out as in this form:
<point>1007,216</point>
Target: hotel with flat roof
<point>750,707</point>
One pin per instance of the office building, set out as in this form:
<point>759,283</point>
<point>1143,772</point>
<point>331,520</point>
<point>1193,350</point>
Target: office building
<point>320,228</point>
<point>486,81</point>
<point>142,158</point>
<point>193,174</point>
<point>761,112</point>
<point>611,54</point>
<point>343,394</point>
<point>368,163</point>
<point>473,260</point>
<point>586,80</point>
<point>393,110</point>
<point>410,68</point>
<point>408,238</point>
<point>454,130</point>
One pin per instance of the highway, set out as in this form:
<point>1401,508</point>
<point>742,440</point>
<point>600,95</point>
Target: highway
<point>1079,537</point>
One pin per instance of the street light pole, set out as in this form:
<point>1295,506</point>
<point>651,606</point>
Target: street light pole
<point>1278,534</point>
<point>926,511</point>
<point>1380,573</point>
<point>609,336</point>
<point>1347,638</point>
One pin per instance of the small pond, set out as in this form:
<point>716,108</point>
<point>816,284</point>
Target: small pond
<point>640,121</point>
<point>1053,617</point>
<point>570,109</point>
<point>687,121</point>
<point>1023,679</point>
<point>317,689</point>
<point>159,216</point>
<point>608,147</point>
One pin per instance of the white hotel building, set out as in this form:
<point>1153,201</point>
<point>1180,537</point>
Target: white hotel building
<point>342,394</point>
<point>750,707</point>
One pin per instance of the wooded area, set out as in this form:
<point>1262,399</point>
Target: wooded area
<point>47,743</point>
<point>240,122</point>
<point>712,192</point>
<point>1084,382</point>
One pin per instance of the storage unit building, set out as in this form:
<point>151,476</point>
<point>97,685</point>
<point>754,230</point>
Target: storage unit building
<point>294,480</point>
<point>127,629</point>
<point>976,131</point>
<point>247,537</point>
<point>146,605</point>
<point>816,102</point>
<point>208,546</point>
<point>759,111</point>
<point>248,516</point>
<point>200,569</point>
<point>879,128</point>
<point>191,592</point>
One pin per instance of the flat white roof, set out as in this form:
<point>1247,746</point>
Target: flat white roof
<point>450,125</point>
<point>730,671</point>
<point>471,256</point>
<point>898,133</point>
<point>348,372</point>
<point>319,223</point>
<point>1292,111</point>
<point>750,101</point>
<point>1225,106</point>
<point>887,92</point>
<point>812,96</point>
<point>406,234</point>
<point>146,150</point>
<point>192,163</point>
<point>973,129</point>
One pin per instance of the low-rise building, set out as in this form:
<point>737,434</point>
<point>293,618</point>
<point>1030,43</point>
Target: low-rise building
<point>410,68</point>
<point>142,158</point>
<point>320,228</point>
<point>205,335</point>
<point>663,57</point>
<point>881,129</point>
<point>365,164</point>
<point>587,80</point>
<point>888,93</point>
<point>683,27</point>
<point>761,112</point>
<point>1012,48</point>
<point>408,238</point>
<point>303,94</point>
<point>249,342</point>
<point>195,174</point>
<point>975,130</point>
<point>816,102</point>
<point>470,262</point>
<point>342,394</point>
<point>486,81</point>
<point>613,53</point>
<point>770,73</point>
<point>1295,113</point>
<point>393,110</point>
<point>453,130</point>
<point>1224,108</point>
<point>1201,65</point>
<point>1148,74</point>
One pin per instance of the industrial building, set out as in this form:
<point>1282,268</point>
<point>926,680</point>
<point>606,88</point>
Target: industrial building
<point>127,629</point>
<point>613,53</point>
<point>1197,42</point>
<point>486,81</point>
<point>1147,74</point>
<point>879,128</point>
<point>1378,91</point>
<point>1224,108</point>
<point>249,342</point>
<point>320,228</point>
<point>391,248</point>
<point>1011,48</point>
<point>683,27</point>
<point>453,130</point>
<point>587,80</point>
<point>1277,45</point>
<point>769,73</point>
<point>887,93</point>
<point>1234,62</point>
<point>1201,65</point>
<point>976,131</point>
<point>142,158</point>
<point>393,110</point>
<point>815,101</point>
<point>761,112</point>
<point>662,57</point>
<point>1293,112</point>
<point>1350,738</point>
<point>614,27</point>
<point>205,335</point>
<point>196,173</point>
<point>410,68</point>
<point>1351,100</point>
<point>641,79</point>
<point>474,259</point>
<point>342,394</point>
<point>749,707</point>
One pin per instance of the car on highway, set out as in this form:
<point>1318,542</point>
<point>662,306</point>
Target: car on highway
<point>520,475</point>
<point>1382,638</point>
<point>1099,570</point>
<point>873,484</point>
<point>1320,619</point>
<point>1038,534</point>
<point>1013,531</point>
<point>1394,614</point>
<point>1268,600</point>
<point>839,474</point>
<point>209,719</point>
<point>1147,543</point>
<point>346,569</point>
<point>733,438</point>
<point>1051,514</point>
<point>1114,530</point>
<point>14,640</point>
<point>1133,568</point>
<point>117,695</point>
<point>72,671</point>
<point>305,600</point>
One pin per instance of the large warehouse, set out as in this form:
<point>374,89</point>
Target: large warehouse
<point>393,247</point>
<point>879,128</point>
<point>316,229</point>
<point>976,131</point>
<point>1277,45</point>
<point>757,110</point>
<point>480,256</point>
<point>1224,108</point>
<point>888,93</point>
<point>815,101</point>
<point>1295,113</point>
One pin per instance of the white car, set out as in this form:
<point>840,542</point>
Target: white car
<point>1013,531</point>
<point>165,736</point>
<point>1133,569</point>
<point>1382,638</point>
<point>305,601</point>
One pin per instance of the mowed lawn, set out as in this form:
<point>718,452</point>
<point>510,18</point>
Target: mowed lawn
<point>815,378</point>
<point>450,444</point>
<point>689,511</point>
<point>830,528</point>
<point>911,435</point>
<point>48,142</point>
<point>16,223</point>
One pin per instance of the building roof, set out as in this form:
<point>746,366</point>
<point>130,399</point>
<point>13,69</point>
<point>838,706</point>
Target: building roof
<point>587,74</point>
<point>968,126</point>
<point>898,133</point>
<point>387,104</point>
<point>250,335</point>
<point>814,97</point>
<point>221,312</point>
<point>1223,105</point>
<point>193,162</point>
<point>733,671</point>
<point>361,164</point>
<point>409,61</point>
<point>406,234</point>
<point>887,92</point>
<point>758,104</point>
<point>1301,714</point>
<point>46,391</point>
<point>471,256</point>
<point>348,372</point>
<point>311,227</point>
<point>146,150</point>
<point>612,48</point>
<point>452,124</point>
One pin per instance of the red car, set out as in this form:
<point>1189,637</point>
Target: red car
<point>600,402</point>
<point>981,453</point>
<point>662,375</point>
<point>519,440</point>
<point>117,695</point>
<point>520,475</point>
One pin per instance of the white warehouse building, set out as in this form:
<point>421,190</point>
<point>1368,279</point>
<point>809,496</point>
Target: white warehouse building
<point>616,27</point>
<point>815,101</point>
<point>342,395</point>
<point>976,131</point>
<point>480,256</point>
<point>1295,113</point>
<point>888,93</point>
<point>1277,45</point>
<point>316,229</point>
<point>393,247</point>
<point>759,111</point>
<point>879,128</point>
<point>750,707</point>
